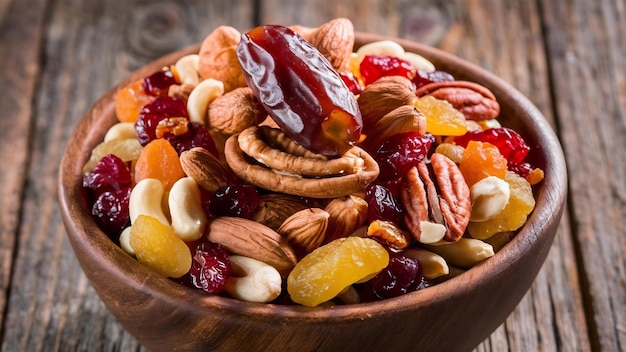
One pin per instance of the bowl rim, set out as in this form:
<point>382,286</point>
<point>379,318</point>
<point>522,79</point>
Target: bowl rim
<point>85,235</point>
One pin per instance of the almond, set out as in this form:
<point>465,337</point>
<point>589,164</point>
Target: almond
<point>254,240</point>
<point>335,40</point>
<point>204,168</point>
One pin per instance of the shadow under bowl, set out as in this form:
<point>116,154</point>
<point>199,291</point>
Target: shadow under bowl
<point>455,315</point>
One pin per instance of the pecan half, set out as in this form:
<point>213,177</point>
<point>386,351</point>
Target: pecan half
<point>475,101</point>
<point>298,175</point>
<point>437,194</point>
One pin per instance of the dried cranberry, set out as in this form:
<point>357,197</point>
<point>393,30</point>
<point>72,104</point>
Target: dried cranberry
<point>402,275</point>
<point>352,82</point>
<point>110,174</point>
<point>209,268</point>
<point>152,113</point>
<point>158,83</point>
<point>423,77</point>
<point>197,136</point>
<point>401,152</point>
<point>375,66</point>
<point>108,186</point>
<point>110,211</point>
<point>510,144</point>
<point>239,200</point>
<point>522,169</point>
<point>382,204</point>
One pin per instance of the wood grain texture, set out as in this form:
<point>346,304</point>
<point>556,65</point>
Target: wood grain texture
<point>51,304</point>
<point>19,84</point>
<point>588,63</point>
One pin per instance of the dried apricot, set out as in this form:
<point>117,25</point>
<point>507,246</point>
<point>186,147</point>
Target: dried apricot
<point>521,203</point>
<point>481,159</point>
<point>159,160</point>
<point>157,247</point>
<point>324,273</point>
<point>129,100</point>
<point>442,119</point>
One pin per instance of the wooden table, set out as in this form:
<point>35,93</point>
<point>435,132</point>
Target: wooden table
<point>568,57</point>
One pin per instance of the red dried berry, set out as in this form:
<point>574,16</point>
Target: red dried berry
<point>158,83</point>
<point>210,267</point>
<point>375,66</point>
<point>239,200</point>
<point>152,113</point>
<point>424,77</point>
<point>400,152</point>
<point>402,275</point>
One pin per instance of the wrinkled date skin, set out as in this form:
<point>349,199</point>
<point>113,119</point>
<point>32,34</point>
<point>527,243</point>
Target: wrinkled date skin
<point>300,90</point>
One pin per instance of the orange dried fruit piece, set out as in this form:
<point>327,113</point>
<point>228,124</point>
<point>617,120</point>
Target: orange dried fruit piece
<point>521,203</point>
<point>482,159</point>
<point>159,160</point>
<point>324,273</point>
<point>157,246</point>
<point>125,149</point>
<point>442,119</point>
<point>129,100</point>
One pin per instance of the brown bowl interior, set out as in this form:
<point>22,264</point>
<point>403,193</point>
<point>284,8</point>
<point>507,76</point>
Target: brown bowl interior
<point>454,315</point>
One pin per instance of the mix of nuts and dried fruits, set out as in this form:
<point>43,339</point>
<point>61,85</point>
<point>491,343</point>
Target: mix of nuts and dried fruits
<point>280,165</point>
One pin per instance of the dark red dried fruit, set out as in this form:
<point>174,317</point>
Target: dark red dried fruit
<point>110,211</point>
<point>151,114</point>
<point>108,186</point>
<point>196,136</point>
<point>299,88</point>
<point>402,275</point>
<point>239,200</point>
<point>374,67</point>
<point>110,174</point>
<point>351,82</point>
<point>382,204</point>
<point>401,152</point>
<point>210,267</point>
<point>424,77</point>
<point>158,83</point>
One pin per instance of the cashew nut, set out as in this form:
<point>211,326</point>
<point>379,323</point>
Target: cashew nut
<point>145,199</point>
<point>121,130</point>
<point>187,68</point>
<point>489,197</point>
<point>383,47</point>
<point>418,61</point>
<point>125,242</point>
<point>431,232</point>
<point>200,98</point>
<point>188,218</point>
<point>252,280</point>
<point>465,253</point>
<point>432,265</point>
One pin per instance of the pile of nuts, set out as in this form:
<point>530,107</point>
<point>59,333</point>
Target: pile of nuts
<point>258,183</point>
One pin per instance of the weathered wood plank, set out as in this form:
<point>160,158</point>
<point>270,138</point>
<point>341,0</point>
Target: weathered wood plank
<point>21,28</point>
<point>586,50</point>
<point>89,47</point>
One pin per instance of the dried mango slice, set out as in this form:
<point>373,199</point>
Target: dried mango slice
<point>157,246</point>
<point>328,270</point>
<point>442,119</point>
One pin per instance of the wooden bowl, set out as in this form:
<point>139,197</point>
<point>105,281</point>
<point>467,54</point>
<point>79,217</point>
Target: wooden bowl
<point>453,316</point>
